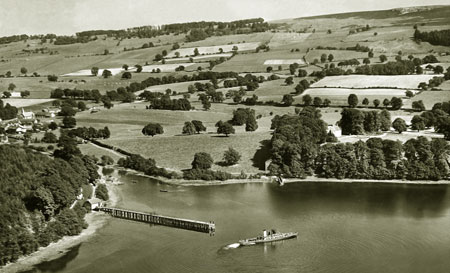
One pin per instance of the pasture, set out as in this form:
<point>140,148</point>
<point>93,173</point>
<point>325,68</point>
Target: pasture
<point>213,49</point>
<point>370,81</point>
<point>19,103</point>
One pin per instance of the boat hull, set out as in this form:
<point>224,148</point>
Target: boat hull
<point>268,239</point>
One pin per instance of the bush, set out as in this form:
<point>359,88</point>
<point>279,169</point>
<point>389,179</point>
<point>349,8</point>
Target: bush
<point>202,161</point>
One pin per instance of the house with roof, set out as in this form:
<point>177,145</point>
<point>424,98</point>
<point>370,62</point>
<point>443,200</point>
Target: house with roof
<point>93,203</point>
<point>26,115</point>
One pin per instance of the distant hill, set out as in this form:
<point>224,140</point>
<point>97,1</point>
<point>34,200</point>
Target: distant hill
<point>426,12</point>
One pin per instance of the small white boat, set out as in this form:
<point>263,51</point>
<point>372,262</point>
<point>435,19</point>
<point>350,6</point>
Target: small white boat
<point>268,236</point>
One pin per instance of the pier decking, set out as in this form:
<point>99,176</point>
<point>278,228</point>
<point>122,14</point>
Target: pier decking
<point>206,227</point>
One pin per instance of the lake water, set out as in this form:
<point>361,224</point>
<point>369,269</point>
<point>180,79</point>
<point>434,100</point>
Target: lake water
<point>342,228</point>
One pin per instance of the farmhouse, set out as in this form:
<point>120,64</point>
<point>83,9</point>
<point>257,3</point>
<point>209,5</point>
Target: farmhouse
<point>26,115</point>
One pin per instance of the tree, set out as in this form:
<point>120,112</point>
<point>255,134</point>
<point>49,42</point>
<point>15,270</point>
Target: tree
<point>330,57</point>
<point>49,137</point>
<point>365,101</point>
<point>307,100</point>
<point>251,124</point>
<point>409,93</point>
<point>196,53</point>
<point>11,87</point>
<point>370,54</point>
<point>399,125</point>
<point>287,100</point>
<point>106,52</point>
<point>302,73</point>
<point>106,73</point>
<point>53,126</point>
<point>386,102</point>
<point>231,157</point>
<point>323,58</point>
<point>25,93</point>
<point>418,105</point>
<point>269,69</point>
<point>352,100</point>
<point>289,81</point>
<point>385,120</point>
<point>198,126</point>
<point>138,68</point>
<point>224,128</point>
<point>23,70</point>
<point>376,103</point>
<point>67,111</point>
<point>326,102</point>
<point>102,192</point>
<point>106,160</point>
<point>81,106</point>
<point>94,71</point>
<point>152,129</point>
<point>69,122</point>
<point>6,94</point>
<point>383,58</point>
<point>417,123</point>
<point>396,103</point>
<point>202,161</point>
<point>126,75</point>
<point>331,138</point>
<point>52,78</point>
<point>188,128</point>
<point>317,102</point>
<point>366,61</point>
<point>125,67</point>
<point>206,104</point>
<point>351,122</point>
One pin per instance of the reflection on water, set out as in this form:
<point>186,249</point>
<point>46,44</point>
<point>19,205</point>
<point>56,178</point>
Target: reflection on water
<point>56,265</point>
<point>343,227</point>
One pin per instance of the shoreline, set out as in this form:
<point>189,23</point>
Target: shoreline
<point>269,179</point>
<point>54,250</point>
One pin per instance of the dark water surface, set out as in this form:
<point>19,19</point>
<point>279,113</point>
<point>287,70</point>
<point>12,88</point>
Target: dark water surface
<point>342,228</point>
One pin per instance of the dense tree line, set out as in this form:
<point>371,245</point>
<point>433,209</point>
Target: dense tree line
<point>295,142</point>
<point>356,122</point>
<point>36,193</point>
<point>435,37</point>
<point>165,103</point>
<point>7,111</point>
<point>147,166</point>
<point>90,133</point>
<point>417,159</point>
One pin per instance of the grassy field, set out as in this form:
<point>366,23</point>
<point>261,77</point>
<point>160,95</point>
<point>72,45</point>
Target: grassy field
<point>255,62</point>
<point>364,81</point>
<point>19,103</point>
<point>213,49</point>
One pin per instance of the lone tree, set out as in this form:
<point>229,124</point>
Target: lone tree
<point>352,100</point>
<point>386,102</point>
<point>198,126</point>
<point>396,103</point>
<point>152,129</point>
<point>409,93</point>
<point>417,123</point>
<point>323,58</point>
<point>383,58</point>
<point>23,70</point>
<point>287,100</point>
<point>231,157</point>
<point>399,125</point>
<point>224,128</point>
<point>11,87</point>
<point>138,68</point>
<point>202,161</point>
<point>365,101</point>
<point>188,128</point>
<point>94,71</point>
<point>126,75</point>
<point>376,103</point>
<point>106,73</point>
<point>125,67</point>
<point>330,57</point>
<point>418,105</point>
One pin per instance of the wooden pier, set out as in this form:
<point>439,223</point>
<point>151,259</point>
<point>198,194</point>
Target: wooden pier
<point>206,227</point>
